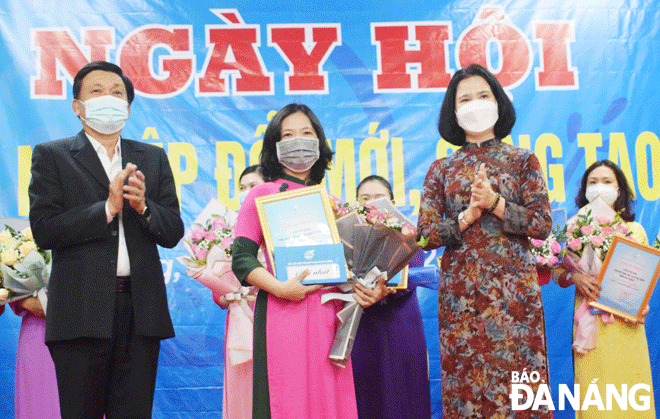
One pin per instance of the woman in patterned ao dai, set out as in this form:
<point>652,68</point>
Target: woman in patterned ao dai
<point>482,202</point>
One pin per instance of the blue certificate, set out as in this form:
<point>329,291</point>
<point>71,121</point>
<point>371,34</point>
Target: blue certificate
<point>325,263</point>
<point>627,278</point>
<point>297,220</point>
<point>300,233</point>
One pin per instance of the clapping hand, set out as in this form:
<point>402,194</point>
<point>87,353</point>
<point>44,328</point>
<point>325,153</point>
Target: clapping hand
<point>474,210</point>
<point>134,190</point>
<point>482,194</point>
<point>115,200</point>
<point>131,190</point>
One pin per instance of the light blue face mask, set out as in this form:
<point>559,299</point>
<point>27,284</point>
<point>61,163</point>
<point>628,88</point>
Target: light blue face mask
<point>105,114</point>
<point>241,197</point>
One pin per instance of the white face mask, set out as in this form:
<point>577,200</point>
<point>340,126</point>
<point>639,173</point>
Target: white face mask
<point>608,192</point>
<point>477,115</point>
<point>298,154</point>
<point>105,114</point>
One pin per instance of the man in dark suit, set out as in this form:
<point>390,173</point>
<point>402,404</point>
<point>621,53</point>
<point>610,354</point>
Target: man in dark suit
<point>102,204</point>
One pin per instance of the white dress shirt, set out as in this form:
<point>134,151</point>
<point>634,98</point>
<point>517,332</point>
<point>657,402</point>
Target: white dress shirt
<point>112,167</point>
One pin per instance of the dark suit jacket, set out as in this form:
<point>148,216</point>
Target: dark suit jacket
<point>68,191</point>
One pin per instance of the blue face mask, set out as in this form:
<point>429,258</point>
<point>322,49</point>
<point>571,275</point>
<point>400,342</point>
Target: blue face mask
<point>241,196</point>
<point>105,114</point>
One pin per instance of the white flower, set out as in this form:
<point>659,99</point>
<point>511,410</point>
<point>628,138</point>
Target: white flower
<point>9,257</point>
<point>27,247</point>
<point>5,235</point>
<point>27,233</point>
<point>11,243</point>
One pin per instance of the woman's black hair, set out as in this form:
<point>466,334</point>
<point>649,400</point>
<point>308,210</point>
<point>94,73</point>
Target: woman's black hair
<point>255,168</point>
<point>448,124</point>
<point>270,164</point>
<point>376,178</point>
<point>625,200</point>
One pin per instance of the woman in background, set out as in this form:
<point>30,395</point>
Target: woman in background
<point>250,177</point>
<point>390,362</point>
<point>35,386</point>
<point>237,381</point>
<point>482,202</point>
<point>621,356</point>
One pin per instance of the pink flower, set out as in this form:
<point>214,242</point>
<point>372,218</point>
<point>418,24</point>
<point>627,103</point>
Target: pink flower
<point>540,260</point>
<point>603,220</point>
<point>587,230</point>
<point>622,229</point>
<point>537,243</point>
<point>388,217</point>
<point>373,217</point>
<point>571,228</point>
<point>553,260</point>
<point>226,242</point>
<point>198,234</point>
<point>408,230</point>
<point>210,235</point>
<point>219,223</point>
<point>575,244</point>
<point>597,241</point>
<point>194,248</point>
<point>607,231</point>
<point>201,253</point>
<point>555,247</point>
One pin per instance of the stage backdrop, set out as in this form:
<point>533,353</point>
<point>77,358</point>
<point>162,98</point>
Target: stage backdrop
<point>209,76</point>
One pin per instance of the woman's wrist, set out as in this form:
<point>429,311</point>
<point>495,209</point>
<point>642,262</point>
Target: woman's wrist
<point>495,202</point>
<point>562,276</point>
<point>472,214</point>
<point>462,220</point>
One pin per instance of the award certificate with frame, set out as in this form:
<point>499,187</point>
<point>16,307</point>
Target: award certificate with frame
<point>628,277</point>
<point>300,233</point>
<point>400,280</point>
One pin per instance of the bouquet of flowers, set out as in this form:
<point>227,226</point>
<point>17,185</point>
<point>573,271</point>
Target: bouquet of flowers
<point>208,242</point>
<point>25,268</point>
<point>378,240</point>
<point>595,233</point>
<point>588,237</point>
<point>548,254</point>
